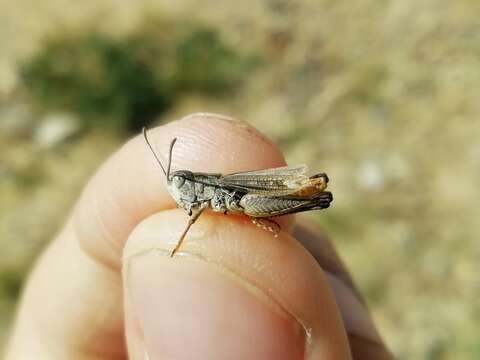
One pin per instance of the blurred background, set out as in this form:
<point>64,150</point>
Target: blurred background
<point>382,95</point>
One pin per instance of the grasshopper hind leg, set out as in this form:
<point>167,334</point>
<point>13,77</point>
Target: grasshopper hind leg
<point>268,225</point>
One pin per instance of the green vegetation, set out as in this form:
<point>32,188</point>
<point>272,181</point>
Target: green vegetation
<point>125,83</point>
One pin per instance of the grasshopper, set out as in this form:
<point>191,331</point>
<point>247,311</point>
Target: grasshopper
<point>260,194</point>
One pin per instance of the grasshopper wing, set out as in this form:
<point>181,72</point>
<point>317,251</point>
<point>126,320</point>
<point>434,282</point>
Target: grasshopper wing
<point>276,181</point>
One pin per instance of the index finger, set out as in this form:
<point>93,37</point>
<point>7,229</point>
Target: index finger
<point>131,186</point>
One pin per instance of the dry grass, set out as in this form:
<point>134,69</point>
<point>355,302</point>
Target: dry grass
<point>382,95</point>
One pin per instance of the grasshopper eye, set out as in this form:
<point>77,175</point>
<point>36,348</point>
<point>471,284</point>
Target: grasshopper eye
<point>178,181</point>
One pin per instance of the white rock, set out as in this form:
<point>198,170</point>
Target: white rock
<point>370,175</point>
<point>56,128</point>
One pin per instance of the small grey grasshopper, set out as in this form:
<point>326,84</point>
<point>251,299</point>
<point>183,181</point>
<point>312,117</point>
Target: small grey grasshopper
<point>260,194</point>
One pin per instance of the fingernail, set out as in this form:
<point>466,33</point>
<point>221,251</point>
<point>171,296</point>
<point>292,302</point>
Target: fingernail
<point>355,316</point>
<point>190,309</point>
<point>214,116</point>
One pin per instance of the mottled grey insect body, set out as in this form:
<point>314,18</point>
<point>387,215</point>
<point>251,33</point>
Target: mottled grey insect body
<point>259,194</point>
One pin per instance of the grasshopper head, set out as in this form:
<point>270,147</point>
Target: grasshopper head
<point>181,186</point>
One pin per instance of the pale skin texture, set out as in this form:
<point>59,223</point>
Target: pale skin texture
<point>106,287</point>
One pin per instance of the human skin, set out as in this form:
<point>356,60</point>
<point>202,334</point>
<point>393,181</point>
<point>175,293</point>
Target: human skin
<point>106,287</point>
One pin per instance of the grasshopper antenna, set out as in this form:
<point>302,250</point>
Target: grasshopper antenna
<point>144,131</point>
<point>170,152</point>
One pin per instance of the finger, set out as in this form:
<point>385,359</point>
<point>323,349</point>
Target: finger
<point>135,306</point>
<point>234,291</point>
<point>364,339</point>
<point>131,185</point>
<point>70,308</point>
<point>72,304</point>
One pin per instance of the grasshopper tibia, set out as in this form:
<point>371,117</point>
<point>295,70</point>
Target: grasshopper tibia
<point>191,221</point>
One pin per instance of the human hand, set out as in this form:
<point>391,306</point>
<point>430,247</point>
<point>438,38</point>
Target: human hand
<point>106,287</point>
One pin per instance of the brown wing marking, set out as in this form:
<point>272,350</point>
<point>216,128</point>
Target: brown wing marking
<point>276,181</point>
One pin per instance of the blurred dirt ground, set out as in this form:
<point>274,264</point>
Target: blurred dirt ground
<point>382,95</point>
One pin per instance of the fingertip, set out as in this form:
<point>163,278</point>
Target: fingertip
<point>218,143</point>
<point>277,271</point>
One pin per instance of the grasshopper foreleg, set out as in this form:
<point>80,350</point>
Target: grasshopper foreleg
<point>191,221</point>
